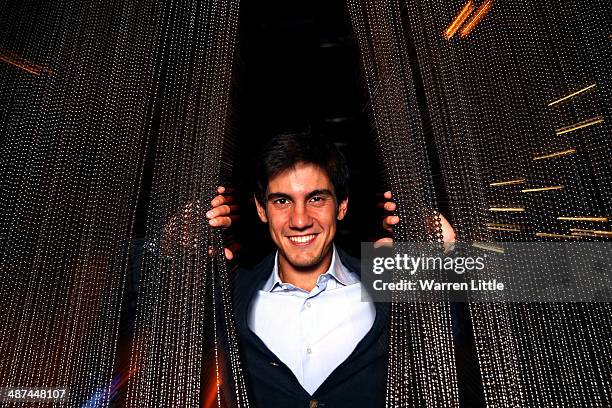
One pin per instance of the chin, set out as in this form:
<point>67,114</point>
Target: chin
<point>304,262</point>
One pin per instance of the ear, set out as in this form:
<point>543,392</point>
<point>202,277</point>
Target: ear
<point>261,212</point>
<point>342,208</point>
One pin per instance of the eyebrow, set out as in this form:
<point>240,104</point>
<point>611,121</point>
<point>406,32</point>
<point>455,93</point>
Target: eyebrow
<point>324,191</point>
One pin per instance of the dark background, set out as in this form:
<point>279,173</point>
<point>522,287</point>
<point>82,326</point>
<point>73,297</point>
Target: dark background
<point>297,68</point>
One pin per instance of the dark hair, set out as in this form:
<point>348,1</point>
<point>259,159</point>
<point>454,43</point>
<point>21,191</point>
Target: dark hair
<point>288,149</point>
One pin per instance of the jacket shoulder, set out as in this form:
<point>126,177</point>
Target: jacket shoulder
<point>351,263</point>
<point>245,281</point>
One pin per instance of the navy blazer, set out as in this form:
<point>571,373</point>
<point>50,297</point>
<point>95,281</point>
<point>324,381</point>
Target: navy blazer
<point>358,382</point>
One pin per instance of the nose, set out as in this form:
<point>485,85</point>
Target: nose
<point>300,219</point>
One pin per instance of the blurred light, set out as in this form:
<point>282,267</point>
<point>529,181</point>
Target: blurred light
<point>460,18</point>
<point>531,190</point>
<point>21,63</point>
<point>482,11</point>
<point>554,235</point>
<point>584,218</point>
<point>556,154</point>
<point>572,95</point>
<point>508,182</point>
<point>507,209</point>
<point>590,233</point>
<point>580,125</point>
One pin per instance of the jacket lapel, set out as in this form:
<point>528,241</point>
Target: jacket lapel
<point>374,342</point>
<point>246,286</point>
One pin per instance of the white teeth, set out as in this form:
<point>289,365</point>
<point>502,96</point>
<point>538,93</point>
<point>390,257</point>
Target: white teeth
<point>303,239</point>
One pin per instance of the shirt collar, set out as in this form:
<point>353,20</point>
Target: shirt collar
<point>336,270</point>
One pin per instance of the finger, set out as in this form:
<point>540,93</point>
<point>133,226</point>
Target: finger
<point>391,220</point>
<point>228,254</point>
<point>222,211</point>
<point>386,205</point>
<point>390,206</point>
<point>383,242</point>
<point>388,195</point>
<point>222,222</point>
<point>226,190</point>
<point>218,211</point>
<point>448,233</point>
<point>220,200</point>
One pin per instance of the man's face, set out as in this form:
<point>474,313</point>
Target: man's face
<point>301,212</point>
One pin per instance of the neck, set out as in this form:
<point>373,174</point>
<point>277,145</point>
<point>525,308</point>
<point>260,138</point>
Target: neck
<point>303,278</point>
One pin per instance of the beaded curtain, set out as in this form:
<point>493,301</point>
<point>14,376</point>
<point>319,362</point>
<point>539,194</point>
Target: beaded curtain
<point>517,96</point>
<point>75,79</point>
<point>87,89</point>
<point>421,370</point>
<point>185,353</point>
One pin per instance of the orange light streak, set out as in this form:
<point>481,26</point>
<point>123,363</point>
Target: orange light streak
<point>584,218</point>
<point>508,182</point>
<point>555,235</point>
<point>579,125</point>
<point>504,227</point>
<point>21,63</point>
<point>460,18</point>
<point>507,209</point>
<point>578,231</point>
<point>532,190</point>
<point>482,11</point>
<point>209,399</point>
<point>564,98</point>
<point>556,154</point>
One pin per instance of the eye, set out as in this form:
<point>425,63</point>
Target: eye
<point>317,200</point>
<point>280,202</point>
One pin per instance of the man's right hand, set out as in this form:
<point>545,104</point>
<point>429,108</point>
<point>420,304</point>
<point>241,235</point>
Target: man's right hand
<point>222,214</point>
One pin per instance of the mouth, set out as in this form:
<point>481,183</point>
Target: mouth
<point>302,240</point>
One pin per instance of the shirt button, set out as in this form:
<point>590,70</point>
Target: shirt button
<point>309,350</point>
<point>308,305</point>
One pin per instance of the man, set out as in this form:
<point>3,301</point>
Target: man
<point>306,337</point>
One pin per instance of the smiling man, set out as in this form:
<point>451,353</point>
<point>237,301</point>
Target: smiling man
<point>301,207</point>
<point>307,338</point>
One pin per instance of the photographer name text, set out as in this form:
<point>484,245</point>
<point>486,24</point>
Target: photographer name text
<point>433,285</point>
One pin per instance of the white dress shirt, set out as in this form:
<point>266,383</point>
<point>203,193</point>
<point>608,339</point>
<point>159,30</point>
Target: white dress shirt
<point>312,332</point>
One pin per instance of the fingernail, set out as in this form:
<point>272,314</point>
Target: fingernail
<point>212,222</point>
<point>209,214</point>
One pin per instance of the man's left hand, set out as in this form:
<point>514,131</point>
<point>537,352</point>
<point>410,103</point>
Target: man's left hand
<point>448,233</point>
